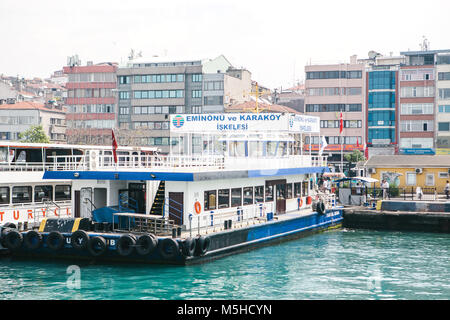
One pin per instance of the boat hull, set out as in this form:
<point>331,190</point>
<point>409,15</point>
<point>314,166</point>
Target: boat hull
<point>223,243</point>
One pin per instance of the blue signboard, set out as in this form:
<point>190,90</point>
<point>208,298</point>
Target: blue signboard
<point>417,151</point>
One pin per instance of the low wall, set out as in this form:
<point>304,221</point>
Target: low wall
<point>361,218</point>
<point>415,206</point>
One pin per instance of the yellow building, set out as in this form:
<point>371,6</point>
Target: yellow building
<point>410,171</point>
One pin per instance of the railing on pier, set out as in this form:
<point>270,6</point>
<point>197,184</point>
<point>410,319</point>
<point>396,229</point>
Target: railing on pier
<point>408,193</point>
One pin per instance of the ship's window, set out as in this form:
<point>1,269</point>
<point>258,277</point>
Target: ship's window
<point>62,192</point>
<point>4,195</point>
<point>297,189</point>
<point>289,191</point>
<point>43,192</point>
<point>259,194</point>
<point>210,199</point>
<point>305,188</point>
<point>248,196</point>
<point>236,197</point>
<point>21,194</point>
<point>269,193</point>
<point>224,198</point>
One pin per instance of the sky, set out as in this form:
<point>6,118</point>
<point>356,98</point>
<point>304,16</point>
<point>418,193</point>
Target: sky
<point>274,40</point>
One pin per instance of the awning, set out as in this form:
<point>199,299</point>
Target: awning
<point>364,179</point>
<point>334,175</point>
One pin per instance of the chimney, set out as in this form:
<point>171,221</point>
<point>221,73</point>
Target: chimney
<point>89,63</point>
<point>353,59</point>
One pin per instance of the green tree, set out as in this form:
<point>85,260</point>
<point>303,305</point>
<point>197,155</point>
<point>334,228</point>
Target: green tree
<point>35,134</point>
<point>354,157</point>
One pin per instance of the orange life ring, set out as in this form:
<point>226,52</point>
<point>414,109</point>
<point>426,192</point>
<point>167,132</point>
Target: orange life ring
<point>197,207</point>
<point>301,202</point>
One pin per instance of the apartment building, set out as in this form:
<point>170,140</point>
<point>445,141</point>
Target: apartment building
<point>330,90</point>
<point>382,102</point>
<point>18,117</point>
<point>443,102</point>
<point>91,103</point>
<point>150,90</point>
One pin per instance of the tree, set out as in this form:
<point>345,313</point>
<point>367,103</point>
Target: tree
<point>354,157</point>
<point>35,134</point>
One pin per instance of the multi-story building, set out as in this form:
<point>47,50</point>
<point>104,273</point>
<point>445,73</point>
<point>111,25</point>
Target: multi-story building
<point>151,90</point>
<point>330,90</point>
<point>19,117</point>
<point>443,102</point>
<point>91,103</point>
<point>382,104</point>
<point>417,103</point>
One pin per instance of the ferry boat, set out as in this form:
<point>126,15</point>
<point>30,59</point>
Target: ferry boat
<point>231,182</point>
<point>25,197</point>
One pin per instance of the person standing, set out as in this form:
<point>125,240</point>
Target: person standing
<point>447,189</point>
<point>385,188</point>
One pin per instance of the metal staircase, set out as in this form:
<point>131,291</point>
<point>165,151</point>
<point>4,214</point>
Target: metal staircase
<point>158,202</point>
<point>127,204</point>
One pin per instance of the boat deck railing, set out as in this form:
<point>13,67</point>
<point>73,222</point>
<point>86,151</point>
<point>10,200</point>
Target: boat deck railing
<point>182,162</point>
<point>143,223</point>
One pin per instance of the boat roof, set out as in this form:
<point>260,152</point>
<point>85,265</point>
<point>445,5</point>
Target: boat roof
<point>363,179</point>
<point>17,144</point>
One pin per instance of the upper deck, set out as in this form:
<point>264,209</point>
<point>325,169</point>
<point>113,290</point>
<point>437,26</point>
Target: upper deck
<point>230,145</point>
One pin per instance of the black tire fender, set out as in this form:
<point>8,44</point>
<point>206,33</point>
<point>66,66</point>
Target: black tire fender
<point>32,240</point>
<point>202,245</point>
<point>126,244</point>
<point>96,246</point>
<point>13,239</point>
<point>55,241</point>
<point>189,246</point>
<point>146,244</point>
<point>169,248</point>
<point>79,240</point>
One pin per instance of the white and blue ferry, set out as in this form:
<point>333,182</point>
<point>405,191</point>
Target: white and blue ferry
<point>231,182</point>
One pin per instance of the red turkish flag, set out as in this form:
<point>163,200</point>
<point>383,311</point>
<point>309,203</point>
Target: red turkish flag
<point>114,146</point>
<point>341,124</point>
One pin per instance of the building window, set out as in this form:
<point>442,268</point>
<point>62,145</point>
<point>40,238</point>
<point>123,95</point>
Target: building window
<point>444,126</point>
<point>444,93</point>
<point>297,189</point>
<point>444,109</point>
<point>443,175</point>
<point>196,93</point>
<point>124,95</point>
<point>124,110</point>
<point>210,200</point>
<point>197,77</point>
<point>410,179</point>
<point>224,198</point>
<point>124,79</point>
<point>444,76</point>
<point>197,109</point>
<point>417,108</point>
<point>289,191</point>
<point>429,180</point>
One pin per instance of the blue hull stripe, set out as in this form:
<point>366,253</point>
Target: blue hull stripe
<point>177,176</point>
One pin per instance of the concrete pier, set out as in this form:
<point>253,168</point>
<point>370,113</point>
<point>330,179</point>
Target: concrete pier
<point>402,216</point>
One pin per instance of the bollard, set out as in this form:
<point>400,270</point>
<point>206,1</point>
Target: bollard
<point>179,232</point>
<point>174,232</point>
<point>230,224</point>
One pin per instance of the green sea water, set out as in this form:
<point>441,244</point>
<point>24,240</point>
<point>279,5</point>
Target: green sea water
<point>340,264</point>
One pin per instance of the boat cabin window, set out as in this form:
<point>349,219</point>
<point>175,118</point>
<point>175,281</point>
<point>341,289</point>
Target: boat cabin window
<point>289,191</point>
<point>62,192</point>
<point>21,194</point>
<point>210,199</point>
<point>248,196</point>
<point>305,190</point>
<point>269,193</point>
<point>4,195</point>
<point>224,198</point>
<point>42,193</point>
<point>297,189</point>
<point>236,197</point>
<point>259,194</point>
